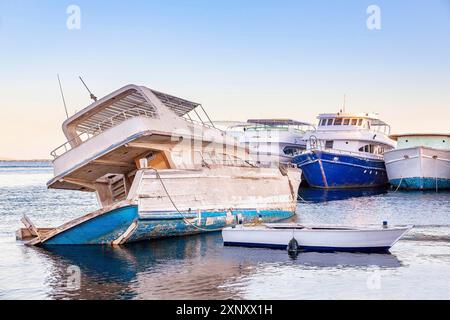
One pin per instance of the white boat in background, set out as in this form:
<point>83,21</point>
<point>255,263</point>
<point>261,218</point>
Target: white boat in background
<point>315,238</point>
<point>270,141</point>
<point>420,162</point>
<point>158,173</point>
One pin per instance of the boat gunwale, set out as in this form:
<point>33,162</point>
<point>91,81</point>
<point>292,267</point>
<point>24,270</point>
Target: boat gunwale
<point>320,228</point>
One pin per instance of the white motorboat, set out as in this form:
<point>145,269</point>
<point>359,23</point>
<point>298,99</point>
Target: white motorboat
<point>315,238</point>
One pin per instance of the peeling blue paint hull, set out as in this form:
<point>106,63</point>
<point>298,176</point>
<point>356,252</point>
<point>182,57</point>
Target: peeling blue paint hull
<point>110,226</point>
<point>420,183</point>
<point>328,170</point>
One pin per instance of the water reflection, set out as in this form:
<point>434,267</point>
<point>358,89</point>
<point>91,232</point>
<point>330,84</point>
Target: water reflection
<point>197,267</point>
<point>324,195</point>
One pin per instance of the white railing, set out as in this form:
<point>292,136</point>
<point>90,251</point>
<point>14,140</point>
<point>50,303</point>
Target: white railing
<point>92,131</point>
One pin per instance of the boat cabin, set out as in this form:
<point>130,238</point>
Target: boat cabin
<point>132,128</point>
<point>347,121</point>
<point>351,132</point>
<point>413,140</point>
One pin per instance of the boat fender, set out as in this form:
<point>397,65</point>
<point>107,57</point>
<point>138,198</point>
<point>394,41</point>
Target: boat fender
<point>239,218</point>
<point>293,246</point>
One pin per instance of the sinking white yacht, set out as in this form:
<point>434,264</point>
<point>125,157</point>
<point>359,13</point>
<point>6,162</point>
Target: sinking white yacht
<point>270,141</point>
<point>158,173</point>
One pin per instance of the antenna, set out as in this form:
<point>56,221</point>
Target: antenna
<point>90,93</point>
<point>62,95</point>
<point>344,102</point>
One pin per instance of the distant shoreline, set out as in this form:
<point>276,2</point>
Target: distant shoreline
<point>34,160</point>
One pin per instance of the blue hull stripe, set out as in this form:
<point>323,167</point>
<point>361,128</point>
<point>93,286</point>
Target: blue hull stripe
<point>418,183</point>
<point>308,248</point>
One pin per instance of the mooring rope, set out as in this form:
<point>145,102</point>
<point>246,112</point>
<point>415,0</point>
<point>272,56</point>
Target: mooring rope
<point>400,183</point>
<point>175,206</point>
<point>435,174</point>
<point>303,200</point>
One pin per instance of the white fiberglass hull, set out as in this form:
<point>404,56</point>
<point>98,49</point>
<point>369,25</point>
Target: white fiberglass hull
<point>315,239</point>
<point>418,168</point>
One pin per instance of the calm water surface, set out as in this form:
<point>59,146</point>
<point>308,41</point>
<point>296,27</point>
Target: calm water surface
<point>199,267</point>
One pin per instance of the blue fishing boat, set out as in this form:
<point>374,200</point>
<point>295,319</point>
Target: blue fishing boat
<point>346,151</point>
<point>158,173</point>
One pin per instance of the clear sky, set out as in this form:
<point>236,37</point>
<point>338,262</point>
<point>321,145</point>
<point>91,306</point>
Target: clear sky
<point>240,58</point>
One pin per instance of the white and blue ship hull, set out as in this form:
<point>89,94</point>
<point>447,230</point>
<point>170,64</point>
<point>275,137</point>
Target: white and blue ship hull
<point>418,168</point>
<point>332,170</point>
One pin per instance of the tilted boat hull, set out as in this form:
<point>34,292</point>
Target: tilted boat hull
<point>108,227</point>
<point>184,202</point>
<point>418,168</point>
<point>352,240</point>
<point>324,169</point>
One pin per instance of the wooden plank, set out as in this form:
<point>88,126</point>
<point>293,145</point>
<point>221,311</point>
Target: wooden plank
<point>126,235</point>
<point>113,163</point>
<point>30,226</point>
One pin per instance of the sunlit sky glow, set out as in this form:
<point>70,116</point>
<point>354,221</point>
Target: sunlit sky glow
<point>240,59</point>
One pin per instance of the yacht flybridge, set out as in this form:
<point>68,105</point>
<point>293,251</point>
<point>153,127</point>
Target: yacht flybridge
<point>346,151</point>
<point>157,172</point>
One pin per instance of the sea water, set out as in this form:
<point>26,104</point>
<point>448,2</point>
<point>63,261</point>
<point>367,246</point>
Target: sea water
<point>199,267</point>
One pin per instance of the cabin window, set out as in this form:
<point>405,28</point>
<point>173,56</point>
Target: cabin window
<point>354,122</point>
<point>359,122</point>
<point>292,151</point>
<point>369,148</point>
<point>329,144</point>
<point>364,149</point>
<point>323,122</point>
<point>330,122</point>
<point>346,122</point>
<point>338,121</point>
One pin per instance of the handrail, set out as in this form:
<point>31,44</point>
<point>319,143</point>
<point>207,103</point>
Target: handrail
<point>99,128</point>
<point>110,122</point>
<point>340,151</point>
